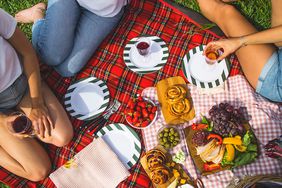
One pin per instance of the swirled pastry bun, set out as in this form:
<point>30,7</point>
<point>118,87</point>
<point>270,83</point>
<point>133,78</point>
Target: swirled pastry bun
<point>180,107</point>
<point>160,175</point>
<point>175,93</point>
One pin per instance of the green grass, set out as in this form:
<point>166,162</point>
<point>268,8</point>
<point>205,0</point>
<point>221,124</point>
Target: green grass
<point>14,6</point>
<point>256,11</point>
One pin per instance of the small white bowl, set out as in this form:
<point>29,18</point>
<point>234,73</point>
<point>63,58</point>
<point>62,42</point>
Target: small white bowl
<point>156,115</point>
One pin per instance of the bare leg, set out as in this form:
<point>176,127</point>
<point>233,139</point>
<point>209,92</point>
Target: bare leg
<point>63,132</point>
<point>252,57</point>
<point>23,157</point>
<point>276,18</point>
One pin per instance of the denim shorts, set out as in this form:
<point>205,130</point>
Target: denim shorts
<point>11,97</point>
<point>270,80</point>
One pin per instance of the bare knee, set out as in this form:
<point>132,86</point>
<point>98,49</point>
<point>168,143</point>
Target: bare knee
<point>39,173</point>
<point>63,139</point>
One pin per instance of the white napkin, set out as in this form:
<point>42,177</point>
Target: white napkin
<point>94,166</point>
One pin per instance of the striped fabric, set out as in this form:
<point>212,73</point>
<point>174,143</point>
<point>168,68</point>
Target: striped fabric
<point>142,17</point>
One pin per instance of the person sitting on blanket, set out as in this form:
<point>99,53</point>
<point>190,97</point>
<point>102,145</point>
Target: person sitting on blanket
<point>21,90</point>
<point>71,31</point>
<point>260,59</point>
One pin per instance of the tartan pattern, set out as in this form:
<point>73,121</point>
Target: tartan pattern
<point>265,118</point>
<point>142,17</point>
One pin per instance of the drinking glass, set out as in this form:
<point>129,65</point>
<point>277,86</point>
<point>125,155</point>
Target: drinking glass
<point>143,46</point>
<point>212,56</point>
<point>22,125</point>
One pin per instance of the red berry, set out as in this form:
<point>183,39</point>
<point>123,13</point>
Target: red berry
<point>140,98</point>
<point>138,108</point>
<point>137,124</point>
<point>137,114</point>
<point>131,105</point>
<point>129,119</point>
<point>142,104</point>
<point>128,111</point>
<point>145,123</point>
<point>134,120</point>
<point>149,108</point>
<point>145,113</point>
<point>151,117</point>
<point>154,109</point>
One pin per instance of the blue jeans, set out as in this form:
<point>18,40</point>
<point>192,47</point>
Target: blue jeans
<point>270,80</point>
<point>69,35</point>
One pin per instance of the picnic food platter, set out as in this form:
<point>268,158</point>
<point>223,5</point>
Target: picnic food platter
<point>223,141</point>
<point>202,74</point>
<point>143,64</point>
<point>87,98</point>
<point>124,141</point>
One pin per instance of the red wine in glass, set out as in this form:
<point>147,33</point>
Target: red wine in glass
<point>22,125</point>
<point>143,48</point>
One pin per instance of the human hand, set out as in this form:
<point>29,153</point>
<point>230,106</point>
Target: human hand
<point>41,121</point>
<point>228,46</point>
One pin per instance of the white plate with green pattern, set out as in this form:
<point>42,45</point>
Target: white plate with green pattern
<point>124,141</point>
<point>201,74</point>
<point>87,98</point>
<point>152,62</point>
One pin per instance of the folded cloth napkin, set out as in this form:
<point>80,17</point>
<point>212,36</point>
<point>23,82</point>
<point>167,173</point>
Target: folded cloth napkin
<point>94,166</point>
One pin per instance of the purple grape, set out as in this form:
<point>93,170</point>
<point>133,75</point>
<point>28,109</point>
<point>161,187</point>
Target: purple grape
<point>227,120</point>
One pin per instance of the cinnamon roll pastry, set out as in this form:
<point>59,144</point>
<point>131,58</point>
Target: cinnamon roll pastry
<point>160,175</point>
<point>155,158</point>
<point>175,93</point>
<point>180,107</point>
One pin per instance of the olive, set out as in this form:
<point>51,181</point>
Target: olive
<point>169,137</point>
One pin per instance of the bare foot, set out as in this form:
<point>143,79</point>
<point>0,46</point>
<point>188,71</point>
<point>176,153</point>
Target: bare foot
<point>31,14</point>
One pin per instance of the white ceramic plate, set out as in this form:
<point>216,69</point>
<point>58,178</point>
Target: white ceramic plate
<point>124,141</point>
<point>201,74</point>
<point>152,62</point>
<point>87,98</point>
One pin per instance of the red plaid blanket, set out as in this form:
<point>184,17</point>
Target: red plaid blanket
<point>141,17</point>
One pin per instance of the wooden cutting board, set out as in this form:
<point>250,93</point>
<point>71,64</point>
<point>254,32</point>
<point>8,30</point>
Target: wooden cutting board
<point>170,118</point>
<point>193,152</point>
